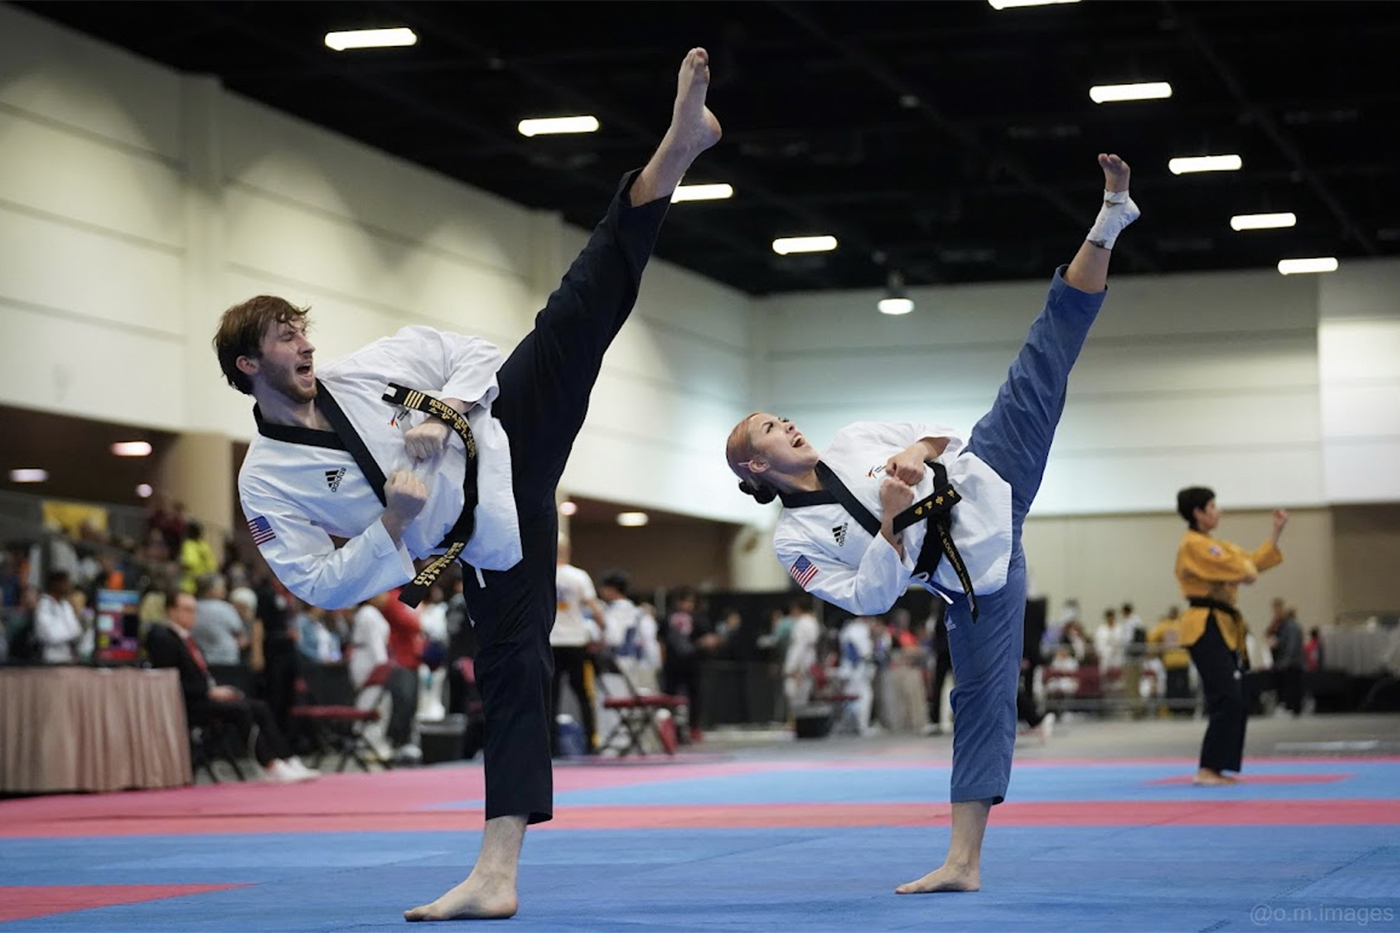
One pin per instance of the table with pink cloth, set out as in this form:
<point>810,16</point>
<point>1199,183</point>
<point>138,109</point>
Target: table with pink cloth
<point>91,729</point>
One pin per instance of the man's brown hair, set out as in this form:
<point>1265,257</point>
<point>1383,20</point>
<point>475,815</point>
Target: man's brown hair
<point>241,331</point>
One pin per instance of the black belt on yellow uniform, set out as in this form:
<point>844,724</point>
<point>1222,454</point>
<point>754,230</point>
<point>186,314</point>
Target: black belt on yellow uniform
<point>459,534</point>
<point>935,508</point>
<point>1216,605</point>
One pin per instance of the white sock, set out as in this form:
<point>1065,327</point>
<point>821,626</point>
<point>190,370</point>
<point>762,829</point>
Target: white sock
<point>1117,212</point>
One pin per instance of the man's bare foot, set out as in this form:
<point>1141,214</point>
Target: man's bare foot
<point>693,128</point>
<point>473,899</point>
<point>1115,172</point>
<point>947,878</point>
<point>1208,778</point>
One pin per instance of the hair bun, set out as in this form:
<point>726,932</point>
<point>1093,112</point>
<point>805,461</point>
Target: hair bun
<point>762,493</point>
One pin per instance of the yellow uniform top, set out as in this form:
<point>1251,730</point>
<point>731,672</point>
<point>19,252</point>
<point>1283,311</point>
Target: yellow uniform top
<point>1212,569</point>
<point>1167,632</point>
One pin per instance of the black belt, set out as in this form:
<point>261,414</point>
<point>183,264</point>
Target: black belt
<point>936,510</point>
<point>1205,602</point>
<point>459,534</point>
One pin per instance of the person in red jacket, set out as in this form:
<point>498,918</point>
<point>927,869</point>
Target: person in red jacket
<point>405,653</point>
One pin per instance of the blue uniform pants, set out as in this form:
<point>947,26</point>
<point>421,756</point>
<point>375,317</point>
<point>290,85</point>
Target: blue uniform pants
<point>1014,440</point>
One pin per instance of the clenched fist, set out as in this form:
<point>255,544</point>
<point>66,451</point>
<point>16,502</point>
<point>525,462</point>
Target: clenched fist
<point>895,496</point>
<point>426,440</point>
<point>404,495</point>
<point>906,466</point>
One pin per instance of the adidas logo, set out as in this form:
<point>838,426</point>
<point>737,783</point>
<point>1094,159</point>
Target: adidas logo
<point>333,478</point>
<point>839,532</point>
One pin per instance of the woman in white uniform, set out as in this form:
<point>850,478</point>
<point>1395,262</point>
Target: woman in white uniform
<point>891,486</point>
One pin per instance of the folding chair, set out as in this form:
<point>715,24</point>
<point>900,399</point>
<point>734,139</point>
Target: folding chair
<point>210,742</point>
<point>342,727</point>
<point>637,711</point>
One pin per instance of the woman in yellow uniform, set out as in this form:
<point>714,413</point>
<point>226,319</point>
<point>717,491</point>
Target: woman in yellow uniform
<point>1210,572</point>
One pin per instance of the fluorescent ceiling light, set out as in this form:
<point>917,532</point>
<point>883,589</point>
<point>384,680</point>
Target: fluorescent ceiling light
<point>1111,93</point>
<point>895,305</point>
<point>144,490</point>
<point>702,193</point>
<point>632,519</point>
<point>370,38</point>
<point>29,475</point>
<point>131,449</point>
<point>1008,4</point>
<point>1262,221</point>
<point>803,244</point>
<point>1301,266</point>
<point>1220,163</point>
<point>568,508</point>
<point>546,125</point>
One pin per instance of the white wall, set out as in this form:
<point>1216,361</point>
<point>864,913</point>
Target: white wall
<point>1184,379</point>
<point>136,204</point>
<point>1359,362</point>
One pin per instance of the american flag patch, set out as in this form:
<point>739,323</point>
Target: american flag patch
<point>262,531</point>
<point>803,571</point>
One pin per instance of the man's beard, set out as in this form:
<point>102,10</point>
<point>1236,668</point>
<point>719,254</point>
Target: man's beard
<point>286,383</point>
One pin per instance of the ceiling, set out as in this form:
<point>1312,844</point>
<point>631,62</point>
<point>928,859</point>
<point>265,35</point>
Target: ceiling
<point>77,455</point>
<point>946,140</point>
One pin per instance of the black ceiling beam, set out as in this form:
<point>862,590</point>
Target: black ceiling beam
<point>1260,117</point>
<point>856,54</point>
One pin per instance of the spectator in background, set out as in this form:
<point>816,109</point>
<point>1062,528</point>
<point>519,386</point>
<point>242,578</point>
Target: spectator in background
<point>218,629</point>
<point>940,664</point>
<point>196,558</point>
<point>279,647</point>
<point>621,617</point>
<point>245,602</point>
<point>405,654</point>
<point>316,642</point>
<point>571,640</point>
<point>804,641</point>
<point>56,625</point>
<point>1175,660</point>
<point>1313,659</point>
<point>1285,638</point>
<point>1110,642</point>
<point>858,668</point>
<point>688,632</point>
<point>169,644</point>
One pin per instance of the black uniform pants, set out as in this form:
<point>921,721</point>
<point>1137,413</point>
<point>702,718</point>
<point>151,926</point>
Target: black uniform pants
<point>242,715</point>
<point>544,389</point>
<point>1223,684</point>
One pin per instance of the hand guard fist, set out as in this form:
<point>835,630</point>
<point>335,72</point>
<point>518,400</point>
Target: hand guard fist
<point>426,440</point>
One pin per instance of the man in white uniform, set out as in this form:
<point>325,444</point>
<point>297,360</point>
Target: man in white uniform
<point>476,478</point>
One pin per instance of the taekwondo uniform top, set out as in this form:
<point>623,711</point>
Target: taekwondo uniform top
<point>832,556</point>
<point>300,486</point>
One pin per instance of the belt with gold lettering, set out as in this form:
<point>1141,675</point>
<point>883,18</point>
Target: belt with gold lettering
<point>936,509</point>
<point>459,534</point>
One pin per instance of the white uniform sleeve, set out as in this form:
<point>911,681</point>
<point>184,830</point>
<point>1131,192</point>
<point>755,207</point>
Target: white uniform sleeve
<point>431,360</point>
<point>903,433</point>
<point>307,562</point>
<point>870,589</point>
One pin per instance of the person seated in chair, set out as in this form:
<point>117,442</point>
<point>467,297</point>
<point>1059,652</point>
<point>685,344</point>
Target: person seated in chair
<point>170,644</point>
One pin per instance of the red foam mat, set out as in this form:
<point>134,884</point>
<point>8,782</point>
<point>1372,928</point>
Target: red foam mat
<point>23,903</point>
<point>758,816</point>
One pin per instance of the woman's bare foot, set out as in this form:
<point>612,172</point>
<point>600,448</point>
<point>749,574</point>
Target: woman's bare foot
<point>477,898</point>
<point>693,128</point>
<point>947,878</point>
<point>1208,778</point>
<point>1115,172</point>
